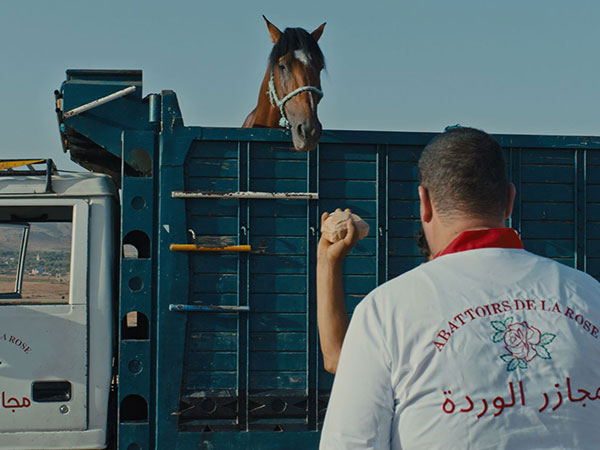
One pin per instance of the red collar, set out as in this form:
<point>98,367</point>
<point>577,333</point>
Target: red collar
<point>490,238</point>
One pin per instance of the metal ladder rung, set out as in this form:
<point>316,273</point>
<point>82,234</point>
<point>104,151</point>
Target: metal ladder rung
<point>208,308</point>
<point>247,194</point>
<point>198,248</point>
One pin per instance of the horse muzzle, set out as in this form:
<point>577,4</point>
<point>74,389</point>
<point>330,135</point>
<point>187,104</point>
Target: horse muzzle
<point>306,134</point>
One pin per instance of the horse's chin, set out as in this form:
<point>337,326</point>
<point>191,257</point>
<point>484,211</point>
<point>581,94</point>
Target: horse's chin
<point>305,145</point>
<point>305,148</point>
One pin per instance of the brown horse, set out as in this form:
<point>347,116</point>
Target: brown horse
<point>291,88</point>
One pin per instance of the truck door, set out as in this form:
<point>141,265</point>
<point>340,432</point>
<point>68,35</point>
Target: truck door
<point>43,315</point>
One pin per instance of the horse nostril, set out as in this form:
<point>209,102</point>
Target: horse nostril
<point>308,130</point>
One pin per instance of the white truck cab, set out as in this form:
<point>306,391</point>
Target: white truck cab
<point>57,288</point>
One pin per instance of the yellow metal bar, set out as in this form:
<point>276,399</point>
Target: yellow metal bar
<point>18,163</point>
<point>197,248</point>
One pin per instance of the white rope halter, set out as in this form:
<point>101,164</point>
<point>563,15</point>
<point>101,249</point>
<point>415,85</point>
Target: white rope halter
<point>272,93</point>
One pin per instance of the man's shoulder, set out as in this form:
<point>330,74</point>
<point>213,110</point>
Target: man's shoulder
<point>507,256</point>
<point>404,283</point>
<point>443,269</point>
<point>562,269</point>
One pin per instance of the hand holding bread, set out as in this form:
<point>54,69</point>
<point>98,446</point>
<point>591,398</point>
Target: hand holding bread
<point>335,226</point>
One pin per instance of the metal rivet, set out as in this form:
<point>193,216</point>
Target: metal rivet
<point>64,409</point>
<point>138,203</point>
<point>135,366</point>
<point>136,284</point>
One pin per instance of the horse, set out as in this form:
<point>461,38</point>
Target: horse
<point>291,88</point>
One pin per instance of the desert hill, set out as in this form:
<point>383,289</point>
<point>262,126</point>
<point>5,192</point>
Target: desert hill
<point>42,237</point>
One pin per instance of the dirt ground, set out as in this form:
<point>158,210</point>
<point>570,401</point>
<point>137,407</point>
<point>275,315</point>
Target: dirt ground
<point>41,289</point>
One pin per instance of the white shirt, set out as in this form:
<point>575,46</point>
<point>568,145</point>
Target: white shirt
<point>490,348</point>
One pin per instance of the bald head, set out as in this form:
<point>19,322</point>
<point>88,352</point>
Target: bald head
<point>463,172</point>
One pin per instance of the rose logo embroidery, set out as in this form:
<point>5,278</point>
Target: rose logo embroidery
<point>523,342</point>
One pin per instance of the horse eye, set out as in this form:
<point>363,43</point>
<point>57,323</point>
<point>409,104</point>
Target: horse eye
<point>282,67</point>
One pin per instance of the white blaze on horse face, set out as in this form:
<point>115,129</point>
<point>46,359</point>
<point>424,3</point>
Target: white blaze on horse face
<point>302,57</point>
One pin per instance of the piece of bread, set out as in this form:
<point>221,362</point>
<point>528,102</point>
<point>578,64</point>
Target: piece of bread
<point>335,227</point>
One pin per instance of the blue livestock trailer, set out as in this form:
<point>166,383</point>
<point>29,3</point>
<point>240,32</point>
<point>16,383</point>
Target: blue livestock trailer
<point>222,351</point>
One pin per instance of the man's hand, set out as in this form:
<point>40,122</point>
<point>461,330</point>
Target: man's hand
<point>332,316</point>
<point>328,253</point>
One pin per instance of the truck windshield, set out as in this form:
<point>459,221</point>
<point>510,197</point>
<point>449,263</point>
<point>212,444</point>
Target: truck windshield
<point>35,261</point>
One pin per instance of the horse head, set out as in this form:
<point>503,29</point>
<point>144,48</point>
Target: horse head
<point>293,82</point>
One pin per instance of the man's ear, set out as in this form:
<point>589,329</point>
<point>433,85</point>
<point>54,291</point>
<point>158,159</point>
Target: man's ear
<point>273,31</point>
<point>512,192</point>
<point>426,208</point>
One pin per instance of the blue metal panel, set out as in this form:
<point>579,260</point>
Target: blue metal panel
<point>137,294</point>
<point>254,379</point>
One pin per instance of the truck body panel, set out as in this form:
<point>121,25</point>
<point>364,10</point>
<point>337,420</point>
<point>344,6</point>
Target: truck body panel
<point>55,367</point>
<point>219,349</point>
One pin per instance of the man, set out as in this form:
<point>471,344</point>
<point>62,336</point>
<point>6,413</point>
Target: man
<point>487,346</point>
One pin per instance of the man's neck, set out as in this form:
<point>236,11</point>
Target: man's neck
<point>447,231</point>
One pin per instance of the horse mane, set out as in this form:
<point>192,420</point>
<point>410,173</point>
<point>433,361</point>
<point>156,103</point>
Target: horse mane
<point>293,39</point>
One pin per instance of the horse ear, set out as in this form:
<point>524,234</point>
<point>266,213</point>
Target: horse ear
<point>318,32</point>
<point>273,31</point>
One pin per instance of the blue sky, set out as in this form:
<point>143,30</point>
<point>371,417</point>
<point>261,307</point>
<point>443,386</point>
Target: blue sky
<point>507,67</point>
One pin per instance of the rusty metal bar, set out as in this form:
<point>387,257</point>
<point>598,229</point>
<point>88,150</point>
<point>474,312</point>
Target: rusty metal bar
<point>100,101</point>
<point>197,248</point>
<point>247,194</point>
<point>208,308</point>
